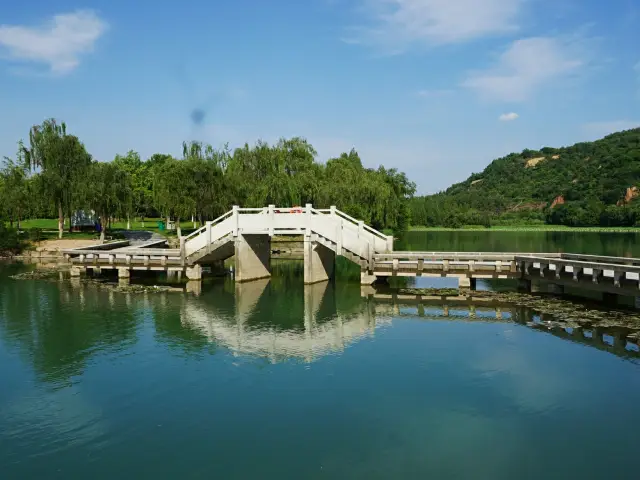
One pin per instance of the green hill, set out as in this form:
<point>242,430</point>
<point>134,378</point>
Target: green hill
<point>589,183</point>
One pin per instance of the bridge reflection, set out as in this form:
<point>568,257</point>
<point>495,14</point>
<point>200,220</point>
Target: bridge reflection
<point>306,331</point>
<point>265,320</point>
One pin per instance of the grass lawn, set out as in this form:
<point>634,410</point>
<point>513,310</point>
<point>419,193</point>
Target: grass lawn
<point>526,228</point>
<point>50,226</point>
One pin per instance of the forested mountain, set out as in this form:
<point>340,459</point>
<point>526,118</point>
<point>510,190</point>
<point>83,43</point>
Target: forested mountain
<point>589,183</point>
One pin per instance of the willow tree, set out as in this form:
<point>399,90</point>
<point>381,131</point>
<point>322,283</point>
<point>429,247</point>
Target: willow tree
<point>206,166</point>
<point>107,191</point>
<point>282,174</point>
<point>140,184</point>
<point>174,189</point>
<point>62,160</point>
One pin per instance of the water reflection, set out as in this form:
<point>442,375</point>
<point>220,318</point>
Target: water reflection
<point>596,243</point>
<point>305,328</point>
<point>59,327</point>
<point>280,321</point>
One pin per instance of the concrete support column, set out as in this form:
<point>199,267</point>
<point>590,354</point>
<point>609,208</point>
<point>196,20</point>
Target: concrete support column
<point>464,282</point>
<point>319,262</point>
<point>252,257</point>
<point>124,274</point>
<point>367,278</point>
<point>76,271</point>
<point>194,287</point>
<point>194,272</point>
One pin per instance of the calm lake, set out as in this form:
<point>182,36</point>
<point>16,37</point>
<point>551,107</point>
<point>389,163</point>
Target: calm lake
<point>275,380</point>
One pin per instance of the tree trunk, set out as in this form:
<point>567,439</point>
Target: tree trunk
<point>142,219</point>
<point>178,229</point>
<point>102,228</point>
<point>193,220</point>
<point>61,220</point>
<point>128,222</point>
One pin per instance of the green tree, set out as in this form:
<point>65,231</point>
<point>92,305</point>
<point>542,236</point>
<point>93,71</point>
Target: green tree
<point>15,191</point>
<point>174,190</point>
<point>62,160</point>
<point>107,191</point>
<point>141,185</point>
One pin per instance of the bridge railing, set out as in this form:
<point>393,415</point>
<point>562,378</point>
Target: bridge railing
<point>456,256</point>
<point>331,223</point>
<point>206,234</point>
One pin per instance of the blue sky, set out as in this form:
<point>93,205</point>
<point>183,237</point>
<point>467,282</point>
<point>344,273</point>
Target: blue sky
<point>436,88</point>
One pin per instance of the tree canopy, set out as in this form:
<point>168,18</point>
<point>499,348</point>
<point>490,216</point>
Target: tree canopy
<point>61,177</point>
<point>61,160</point>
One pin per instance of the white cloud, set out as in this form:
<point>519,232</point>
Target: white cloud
<point>508,117</point>
<point>526,66</point>
<point>600,129</point>
<point>58,44</point>
<point>399,24</point>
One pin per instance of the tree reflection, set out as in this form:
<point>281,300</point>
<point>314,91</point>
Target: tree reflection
<point>58,326</point>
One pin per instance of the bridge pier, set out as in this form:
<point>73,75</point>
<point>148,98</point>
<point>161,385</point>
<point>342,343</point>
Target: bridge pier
<point>319,262</point>
<point>367,278</point>
<point>76,271</point>
<point>194,287</point>
<point>124,273</point>
<point>252,257</point>
<point>194,272</point>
